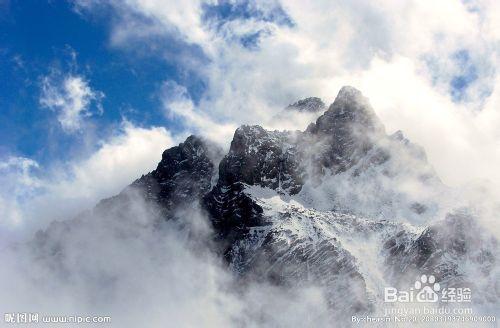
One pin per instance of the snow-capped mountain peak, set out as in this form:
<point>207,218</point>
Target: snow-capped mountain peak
<point>341,205</point>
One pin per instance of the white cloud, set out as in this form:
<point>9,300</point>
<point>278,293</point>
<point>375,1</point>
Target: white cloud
<point>177,102</point>
<point>71,97</point>
<point>18,181</point>
<point>124,265</point>
<point>29,200</point>
<point>125,156</point>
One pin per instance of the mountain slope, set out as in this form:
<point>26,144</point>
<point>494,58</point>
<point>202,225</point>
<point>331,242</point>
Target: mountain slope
<point>341,206</point>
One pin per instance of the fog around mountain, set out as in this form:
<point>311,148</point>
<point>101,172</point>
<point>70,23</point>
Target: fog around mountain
<point>286,228</point>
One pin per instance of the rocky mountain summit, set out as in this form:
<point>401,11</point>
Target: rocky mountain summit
<point>341,205</point>
<point>311,104</point>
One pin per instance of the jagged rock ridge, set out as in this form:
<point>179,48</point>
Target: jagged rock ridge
<point>311,104</point>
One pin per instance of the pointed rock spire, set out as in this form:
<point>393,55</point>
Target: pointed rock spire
<point>308,105</point>
<point>350,112</point>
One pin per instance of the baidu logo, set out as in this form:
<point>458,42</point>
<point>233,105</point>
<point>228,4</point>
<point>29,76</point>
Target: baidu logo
<point>427,290</point>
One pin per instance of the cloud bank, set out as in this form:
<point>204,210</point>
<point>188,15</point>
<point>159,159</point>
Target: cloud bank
<point>32,198</point>
<point>121,263</point>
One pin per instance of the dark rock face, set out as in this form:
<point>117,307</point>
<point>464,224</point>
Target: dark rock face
<point>184,174</point>
<point>232,212</point>
<point>311,105</point>
<point>260,157</point>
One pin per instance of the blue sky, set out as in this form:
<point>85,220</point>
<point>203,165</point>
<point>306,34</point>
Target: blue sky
<point>94,90</point>
<point>38,36</point>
